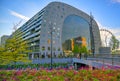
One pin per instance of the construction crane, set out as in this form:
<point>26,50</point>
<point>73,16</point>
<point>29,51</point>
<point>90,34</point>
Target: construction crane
<point>16,25</point>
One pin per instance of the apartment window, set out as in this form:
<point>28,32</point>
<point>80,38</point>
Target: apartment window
<point>43,56</point>
<point>36,48</point>
<point>63,9</point>
<point>49,48</point>
<point>30,56</point>
<point>43,48</point>
<point>32,31</point>
<point>58,6</point>
<point>36,56</point>
<point>58,49</point>
<point>48,41</point>
<point>61,16</point>
<point>54,54</point>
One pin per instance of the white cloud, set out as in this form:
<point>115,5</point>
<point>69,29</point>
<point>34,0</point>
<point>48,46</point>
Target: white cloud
<point>114,30</point>
<point>18,15</point>
<point>116,1</point>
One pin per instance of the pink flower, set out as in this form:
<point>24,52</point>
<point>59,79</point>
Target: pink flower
<point>103,68</point>
<point>65,69</point>
<point>66,79</point>
<point>4,80</point>
<point>71,67</point>
<point>48,78</point>
<point>19,72</point>
<point>75,72</point>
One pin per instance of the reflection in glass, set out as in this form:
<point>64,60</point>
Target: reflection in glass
<point>75,31</point>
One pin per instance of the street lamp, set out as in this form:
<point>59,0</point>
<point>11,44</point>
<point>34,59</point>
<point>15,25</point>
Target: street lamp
<point>52,29</point>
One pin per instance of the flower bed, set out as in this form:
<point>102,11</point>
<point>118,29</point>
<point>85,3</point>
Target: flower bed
<point>59,75</point>
<point>37,66</point>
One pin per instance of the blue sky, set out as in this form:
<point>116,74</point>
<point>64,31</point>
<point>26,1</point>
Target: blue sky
<point>106,12</point>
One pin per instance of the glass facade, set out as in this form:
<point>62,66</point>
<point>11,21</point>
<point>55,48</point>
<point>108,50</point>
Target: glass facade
<point>75,30</point>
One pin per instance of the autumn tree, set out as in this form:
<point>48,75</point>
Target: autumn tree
<point>2,50</point>
<point>15,50</point>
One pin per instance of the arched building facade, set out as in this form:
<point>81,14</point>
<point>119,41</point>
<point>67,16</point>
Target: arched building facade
<point>68,26</point>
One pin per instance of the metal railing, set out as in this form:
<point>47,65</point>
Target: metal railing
<point>112,59</point>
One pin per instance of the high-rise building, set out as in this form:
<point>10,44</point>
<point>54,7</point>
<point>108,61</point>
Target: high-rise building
<point>3,39</point>
<point>59,23</point>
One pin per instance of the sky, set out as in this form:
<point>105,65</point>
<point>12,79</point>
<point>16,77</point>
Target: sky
<point>105,12</point>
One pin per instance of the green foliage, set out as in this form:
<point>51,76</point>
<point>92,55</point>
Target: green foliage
<point>76,49</point>
<point>114,43</point>
<point>37,66</point>
<point>3,56</point>
<point>83,49</point>
<point>80,49</point>
<point>15,50</point>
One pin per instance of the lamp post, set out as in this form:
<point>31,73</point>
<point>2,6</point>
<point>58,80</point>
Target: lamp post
<point>52,29</point>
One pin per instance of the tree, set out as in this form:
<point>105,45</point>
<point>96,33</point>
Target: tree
<point>79,50</point>
<point>83,49</point>
<point>1,54</point>
<point>76,49</point>
<point>114,43</point>
<point>117,43</point>
<point>15,50</point>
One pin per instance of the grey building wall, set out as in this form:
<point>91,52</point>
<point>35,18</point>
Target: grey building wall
<point>105,50</point>
<point>56,13</point>
<point>37,30</point>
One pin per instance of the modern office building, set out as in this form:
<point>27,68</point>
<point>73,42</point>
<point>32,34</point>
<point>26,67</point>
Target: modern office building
<point>3,39</point>
<point>62,24</point>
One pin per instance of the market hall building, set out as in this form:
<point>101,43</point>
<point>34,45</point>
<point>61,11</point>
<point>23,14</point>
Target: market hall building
<point>62,26</point>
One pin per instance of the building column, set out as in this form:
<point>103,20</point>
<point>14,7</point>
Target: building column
<point>32,55</point>
<point>46,55</point>
<point>75,66</point>
<point>39,55</point>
